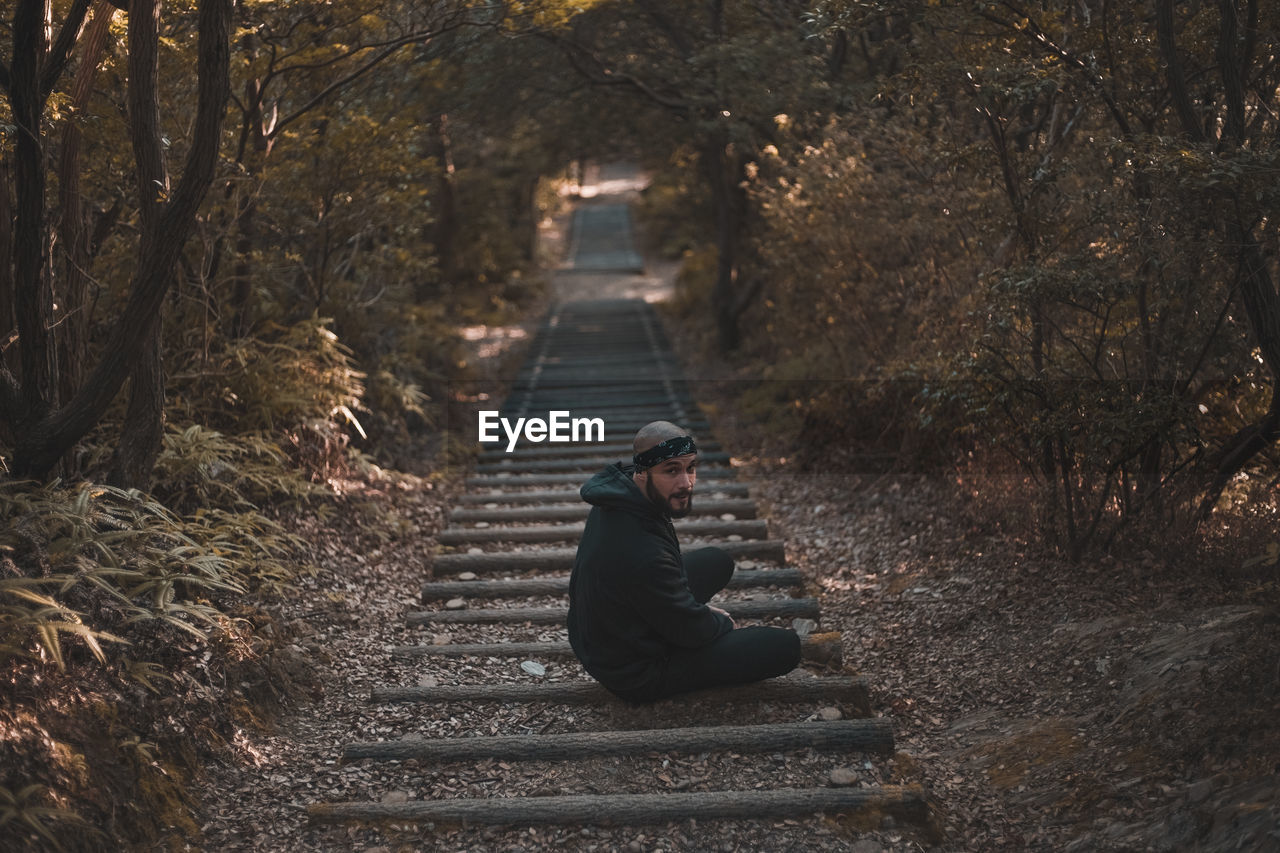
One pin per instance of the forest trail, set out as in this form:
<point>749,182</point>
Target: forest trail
<point>606,358</point>
<point>454,716</point>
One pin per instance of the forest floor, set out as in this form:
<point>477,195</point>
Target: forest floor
<point>1110,705</point>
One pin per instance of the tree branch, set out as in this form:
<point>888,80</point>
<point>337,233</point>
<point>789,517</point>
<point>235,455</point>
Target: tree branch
<point>1042,38</point>
<point>390,48</point>
<point>60,54</point>
<point>606,76</point>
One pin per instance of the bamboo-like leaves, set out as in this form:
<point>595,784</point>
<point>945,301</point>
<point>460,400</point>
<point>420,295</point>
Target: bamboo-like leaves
<point>150,564</point>
<point>20,807</point>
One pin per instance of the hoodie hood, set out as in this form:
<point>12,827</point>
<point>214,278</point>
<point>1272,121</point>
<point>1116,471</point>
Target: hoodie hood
<point>613,488</point>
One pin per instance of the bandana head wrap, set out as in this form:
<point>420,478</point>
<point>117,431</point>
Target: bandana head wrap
<point>681,445</point>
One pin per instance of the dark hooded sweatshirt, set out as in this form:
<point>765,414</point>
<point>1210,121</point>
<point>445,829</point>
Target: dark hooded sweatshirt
<point>629,599</point>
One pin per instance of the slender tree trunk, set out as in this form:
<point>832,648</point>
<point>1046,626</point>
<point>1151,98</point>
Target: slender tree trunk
<point>143,431</point>
<point>33,296</point>
<point>75,231</point>
<point>721,167</point>
<point>8,323</point>
<point>444,228</point>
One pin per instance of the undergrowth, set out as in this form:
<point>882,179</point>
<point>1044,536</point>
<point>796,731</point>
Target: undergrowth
<point>129,628</point>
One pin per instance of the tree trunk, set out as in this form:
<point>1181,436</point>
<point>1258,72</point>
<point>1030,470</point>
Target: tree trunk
<point>8,328</point>
<point>33,295</point>
<point>143,431</point>
<point>75,232</point>
<point>42,436</point>
<point>721,168</point>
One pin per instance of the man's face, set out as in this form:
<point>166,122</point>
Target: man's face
<point>669,484</point>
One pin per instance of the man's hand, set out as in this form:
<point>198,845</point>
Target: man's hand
<point>724,613</point>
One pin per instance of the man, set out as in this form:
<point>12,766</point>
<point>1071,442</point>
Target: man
<point>638,615</point>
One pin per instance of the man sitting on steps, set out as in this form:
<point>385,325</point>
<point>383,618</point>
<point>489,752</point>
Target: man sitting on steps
<point>638,615</point>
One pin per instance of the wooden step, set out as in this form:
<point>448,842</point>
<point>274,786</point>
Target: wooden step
<point>787,608</point>
<point>561,559</point>
<point>577,512</point>
<point>851,692</point>
<point>701,528</point>
<point>906,804</point>
<point>824,649</point>
<point>440,590</point>
<point>527,480</point>
<point>568,496</point>
<point>861,735</point>
<point>587,460</point>
<point>620,450</point>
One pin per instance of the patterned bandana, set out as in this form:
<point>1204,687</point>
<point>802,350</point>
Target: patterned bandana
<point>661,452</point>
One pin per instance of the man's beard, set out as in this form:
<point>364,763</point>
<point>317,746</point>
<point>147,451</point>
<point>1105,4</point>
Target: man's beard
<point>664,505</point>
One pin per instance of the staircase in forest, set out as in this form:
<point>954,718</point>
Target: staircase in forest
<point>520,519</point>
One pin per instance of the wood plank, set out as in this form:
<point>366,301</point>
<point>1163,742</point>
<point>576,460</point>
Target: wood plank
<point>843,689</point>
<point>561,559</point>
<point>512,480</point>
<point>578,511</point>
<point>864,735</point>
<point>903,803</point>
<point>622,450</point>
<point>568,496</point>
<point>705,528</point>
<point>436,590</point>
<point>823,648</point>
<point>589,460</point>
<point>787,608</point>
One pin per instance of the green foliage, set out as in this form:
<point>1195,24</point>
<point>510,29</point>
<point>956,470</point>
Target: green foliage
<point>997,245</point>
<point>21,815</point>
<point>93,561</point>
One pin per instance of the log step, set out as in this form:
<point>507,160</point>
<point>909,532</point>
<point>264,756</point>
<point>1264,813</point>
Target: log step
<point>866,735</point>
<point>703,528</point>
<point>578,511</point>
<point>568,496</point>
<point>904,803</point>
<point>519,481</point>
<point>561,559</point>
<point>621,450</point>
<point>819,648</point>
<point>788,608</point>
<point>588,460</point>
<point>852,692</point>
<point>436,590</point>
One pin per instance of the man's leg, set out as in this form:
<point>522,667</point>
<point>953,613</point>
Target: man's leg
<point>741,656</point>
<point>708,570</point>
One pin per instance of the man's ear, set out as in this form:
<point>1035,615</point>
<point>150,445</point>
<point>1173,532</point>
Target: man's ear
<point>640,477</point>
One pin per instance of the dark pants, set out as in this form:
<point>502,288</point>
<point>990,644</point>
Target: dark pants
<point>740,656</point>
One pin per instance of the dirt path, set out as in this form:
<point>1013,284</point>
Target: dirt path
<point>1114,706</point>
